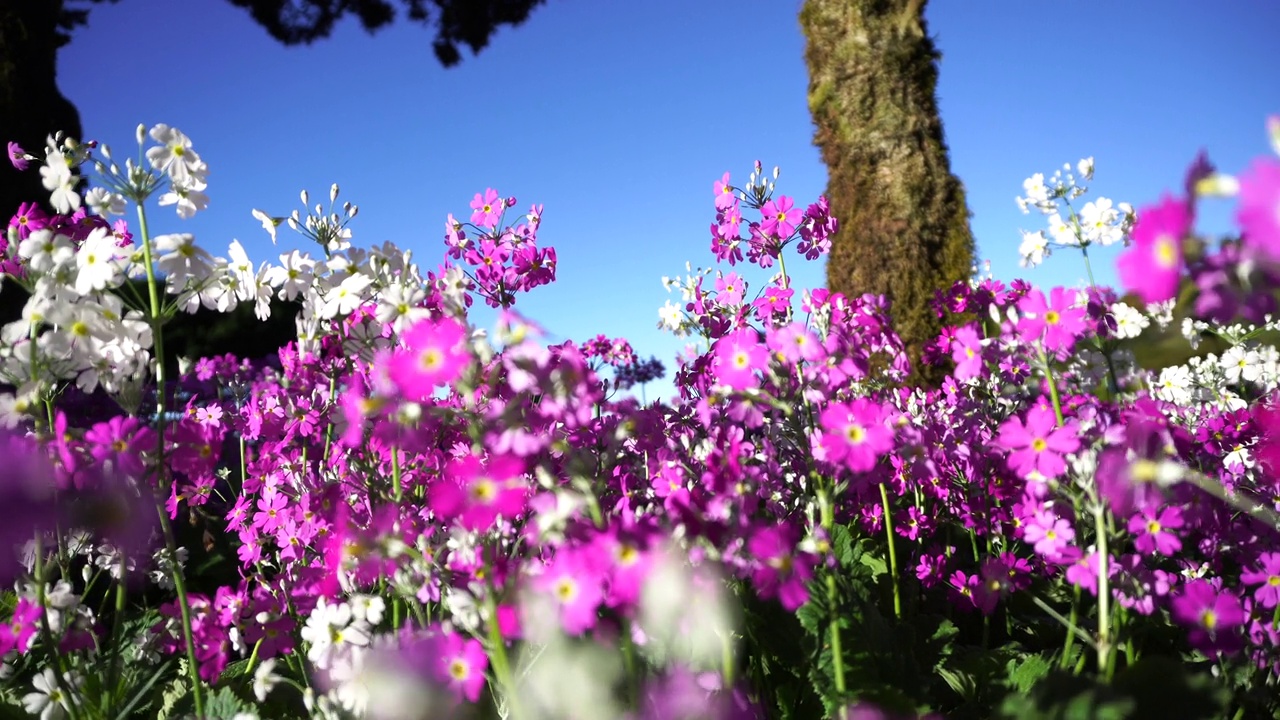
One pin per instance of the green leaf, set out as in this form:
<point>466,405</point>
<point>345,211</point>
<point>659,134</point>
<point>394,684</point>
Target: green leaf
<point>236,669</point>
<point>1025,673</point>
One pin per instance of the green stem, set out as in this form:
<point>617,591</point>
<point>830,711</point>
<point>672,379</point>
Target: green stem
<point>1053,388</point>
<point>179,582</point>
<point>893,553</point>
<point>827,513</point>
<point>395,474</point>
<point>1071,627</point>
<point>1104,591</point>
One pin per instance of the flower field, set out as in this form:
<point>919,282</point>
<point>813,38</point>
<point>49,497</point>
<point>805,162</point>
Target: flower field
<point>405,515</point>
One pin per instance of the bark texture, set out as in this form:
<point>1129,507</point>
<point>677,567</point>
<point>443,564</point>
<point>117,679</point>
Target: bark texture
<point>904,224</point>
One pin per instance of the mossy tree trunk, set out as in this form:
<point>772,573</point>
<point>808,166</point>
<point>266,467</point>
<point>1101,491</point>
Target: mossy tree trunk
<point>904,224</point>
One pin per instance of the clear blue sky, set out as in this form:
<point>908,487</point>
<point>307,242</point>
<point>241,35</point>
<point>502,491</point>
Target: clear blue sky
<point>618,116</point>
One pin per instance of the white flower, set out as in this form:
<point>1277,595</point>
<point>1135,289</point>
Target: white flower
<point>265,679</point>
<point>1037,192</point>
<point>180,260</point>
<point>104,202</point>
<point>1239,363</point>
<point>1033,249</point>
<point>188,195</point>
<point>670,317</point>
<point>174,156</point>
<point>49,701</point>
<point>398,305</point>
<point>268,223</point>
<point>45,251</point>
<point>345,298</point>
<point>1085,168</point>
<point>368,608</point>
<point>1100,222</point>
<point>1174,385</point>
<point>97,263</point>
<point>1129,322</point>
<point>328,629</point>
<point>1063,232</point>
<point>293,276</point>
<point>58,180</point>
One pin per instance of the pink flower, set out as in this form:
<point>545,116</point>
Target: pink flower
<point>1049,534</point>
<point>461,665</point>
<point>487,208</point>
<point>1152,531</point>
<point>737,356</point>
<point>856,433</point>
<point>1056,322</point>
<point>724,193</point>
<point>21,628</point>
<point>781,572</point>
<point>966,351</point>
<point>576,586</point>
<point>120,442</point>
<point>794,343</point>
<point>434,354</point>
<point>1152,265</point>
<point>729,289</point>
<point>780,218</point>
<point>475,493</point>
<point>1259,212</point>
<point>774,301</point>
<point>1267,578</point>
<point>1036,448</point>
<point>1212,615</point>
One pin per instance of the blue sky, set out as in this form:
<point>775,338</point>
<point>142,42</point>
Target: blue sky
<point>618,116</point>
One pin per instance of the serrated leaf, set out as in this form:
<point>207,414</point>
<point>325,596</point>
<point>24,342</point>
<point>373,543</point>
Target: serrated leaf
<point>238,668</point>
<point>1025,673</point>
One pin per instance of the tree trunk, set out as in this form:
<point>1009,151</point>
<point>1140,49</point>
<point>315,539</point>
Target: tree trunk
<point>31,106</point>
<point>904,225</point>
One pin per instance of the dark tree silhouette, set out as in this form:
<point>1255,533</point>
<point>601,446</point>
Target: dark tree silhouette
<point>904,224</point>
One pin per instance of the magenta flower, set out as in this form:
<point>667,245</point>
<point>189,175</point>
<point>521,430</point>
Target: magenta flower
<point>724,193</point>
<point>781,572</point>
<point>774,301</point>
<point>487,209</point>
<point>1259,212</point>
<point>737,356</point>
<point>795,343</point>
<point>18,633</point>
<point>966,351</point>
<point>856,433</point>
<point>435,354</point>
<point>780,218</point>
<point>1056,321</point>
<point>729,289</point>
<point>576,586</point>
<point>1267,578</point>
<point>461,665</point>
<point>1049,534</point>
<point>1036,448</point>
<point>1212,614</point>
<point>1152,265</point>
<point>18,157</point>
<point>1152,531</point>
<point>120,443</point>
<point>475,493</point>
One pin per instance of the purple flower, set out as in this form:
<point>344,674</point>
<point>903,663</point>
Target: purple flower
<point>1036,447</point>
<point>1212,615</point>
<point>1267,578</point>
<point>1152,531</point>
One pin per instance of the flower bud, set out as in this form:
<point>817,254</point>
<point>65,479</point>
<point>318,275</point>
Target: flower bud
<point>141,132</point>
<point>333,193</point>
<point>305,197</point>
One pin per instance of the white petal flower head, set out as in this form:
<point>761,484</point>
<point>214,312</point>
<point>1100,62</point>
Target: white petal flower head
<point>49,701</point>
<point>58,180</point>
<point>1037,192</point>
<point>1064,233</point>
<point>104,202</point>
<point>97,262</point>
<point>1033,249</point>
<point>268,223</point>
<point>1085,168</point>
<point>174,156</point>
<point>189,196</point>
<point>1129,321</point>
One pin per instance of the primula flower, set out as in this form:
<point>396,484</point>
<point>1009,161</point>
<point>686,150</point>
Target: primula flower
<point>435,354</point>
<point>120,442</point>
<point>1036,447</point>
<point>782,572</point>
<point>1056,321</point>
<point>475,493</point>
<point>737,356</point>
<point>794,343</point>
<point>576,586</point>
<point>487,209</point>
<point>774,301</point>
<point>461,665</point>
<point>1212,614</point>
<point>1267,578</point>
<point>856,434</point>
<point>1152,266</point>
<point>966,351</point>
<point>1152,531</point>
<point>1259,212</point>
<point>1049,534</point>
<point>780,218</point>
<point>17,634</point>
<point>723,190</point>
<point>730,289</point>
